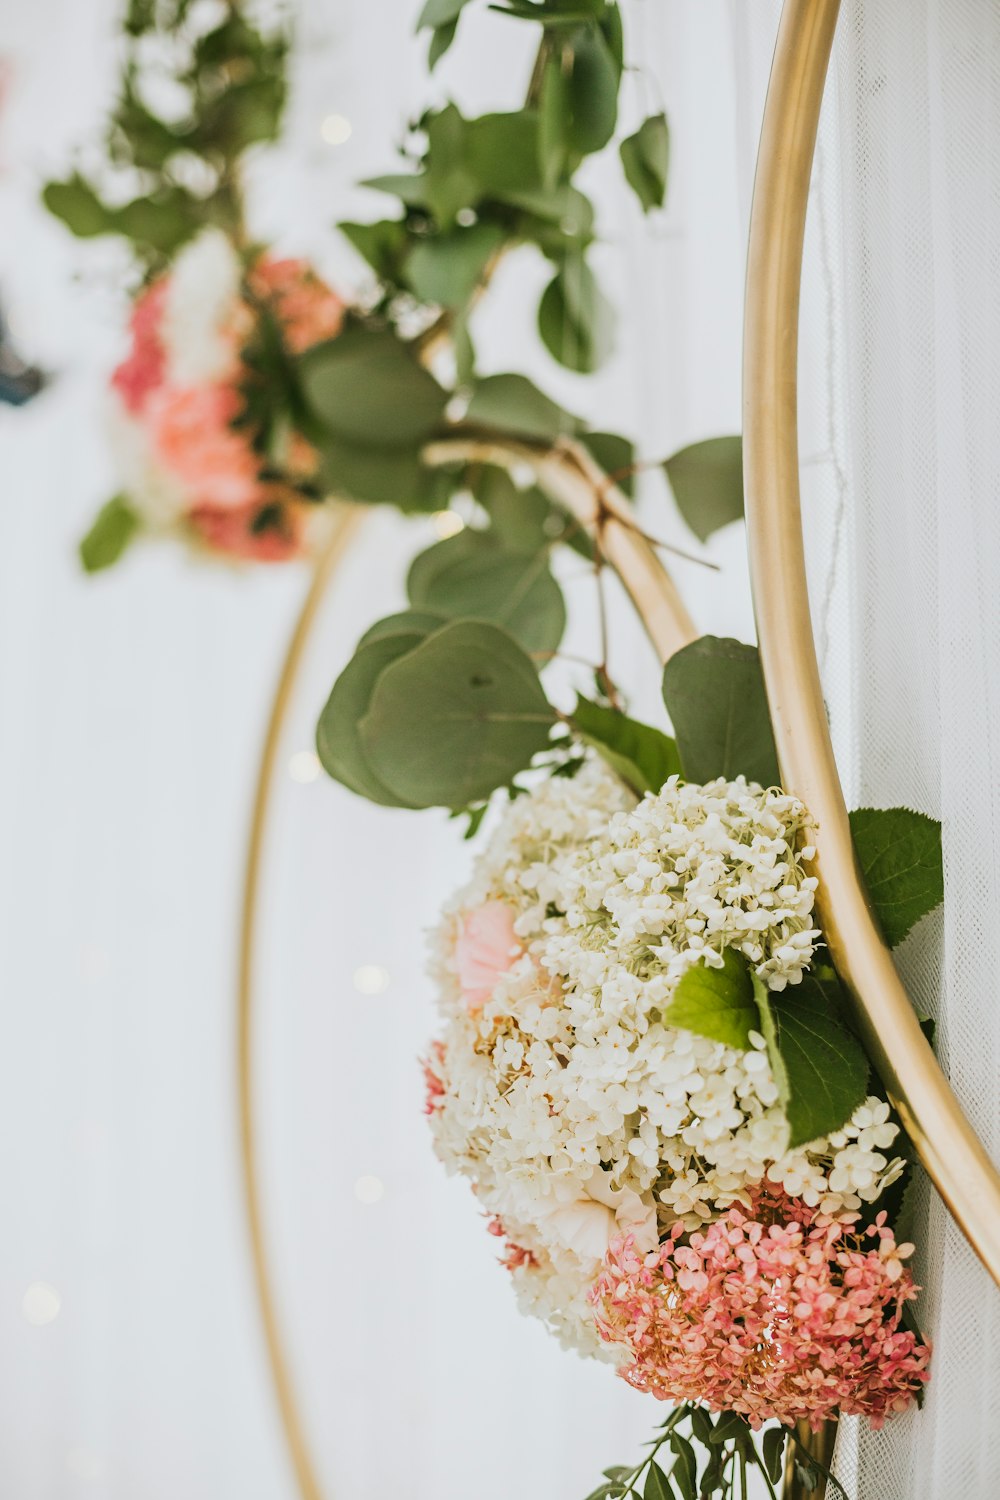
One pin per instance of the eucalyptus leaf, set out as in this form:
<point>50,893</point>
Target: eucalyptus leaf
<point>818,1063</point>
<point>470,576</point>
<point>115,524</point>
<point>714,693</point>
<point>616,456</point>
<point>575,319</point>
<point>642,756</point>
<point>553,110</point>
<point>707,481</point>
<point>367,388</point>
<point>592,90</point>
<point>646,161</point>
<point>407,622</point>
<point>383,245</point>
<point>409,187</point>
<point>716,1003</point>
<point>338,743</point>
<point>513,404</point>
<point>379,476</point>
<point>899,852</point>
<point>456,717</point>
<point>448,268</point>
<point>440,12</point>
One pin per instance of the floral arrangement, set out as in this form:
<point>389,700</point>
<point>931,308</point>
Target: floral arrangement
<point>190,454</point>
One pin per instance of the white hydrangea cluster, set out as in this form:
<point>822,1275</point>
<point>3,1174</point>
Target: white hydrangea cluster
<point>559,1089</point>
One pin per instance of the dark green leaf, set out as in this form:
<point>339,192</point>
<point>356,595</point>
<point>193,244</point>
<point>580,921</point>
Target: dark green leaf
<point>164,222</point>
<point>441,40</point>
<point>383,245</point>
<point>114,527</point>
<point>899,852</point>
<point>451,182</point>
<point>553,110</point>
<point>616,456</point>
<point>457,717</point>
<point>716,1003</point>
<point>618,1472</point>
<point>646,160</point>
<point>818,1064</point>
<point>685,1469</point>
<point>406,622</point>
<point>575,319</point>
<point>440,12</point>
<point>714,692</point>
<point>338,743</point>
<point>448,268</point>
<point>657,1486</point>
<point>377,476</point>
<point>502,154</point>
<point>367,387</point>
<point>592,90</point>
<point>729,1426</point>
<point>707,481</point>
<point>642,756</point>
<point>513,404</point>
<point>701,1424</point>
<point>774,1452</point>
<point>409,187</point>
<point>470,576</point>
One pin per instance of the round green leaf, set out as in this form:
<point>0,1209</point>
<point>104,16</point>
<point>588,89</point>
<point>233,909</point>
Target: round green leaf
<point>456,717</point>
<point>513,404</point>
<point>338,743</point>
<point>407,622</point>
<point>707,481</point>
<point>575,319</point>
<point>368,388</point>
<point>469,576</point>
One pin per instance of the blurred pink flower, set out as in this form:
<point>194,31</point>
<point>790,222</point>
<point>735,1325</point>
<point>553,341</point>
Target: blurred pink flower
<point>308,310</point>
<point>777,1312</point>
<point>143,368</point>
<point>486,949</point>
<point>232,531</point>
<point>191,432</point>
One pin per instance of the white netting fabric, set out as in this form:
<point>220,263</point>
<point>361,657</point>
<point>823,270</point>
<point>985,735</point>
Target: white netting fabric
<point>901,356</point>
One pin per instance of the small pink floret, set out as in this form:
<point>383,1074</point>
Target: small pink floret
<point>487,948</point>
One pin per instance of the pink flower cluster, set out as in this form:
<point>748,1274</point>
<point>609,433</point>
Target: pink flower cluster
<point>229,502</point>
<point>433,1066</point>
<point>775,1312</point>
<point>514,1256</point>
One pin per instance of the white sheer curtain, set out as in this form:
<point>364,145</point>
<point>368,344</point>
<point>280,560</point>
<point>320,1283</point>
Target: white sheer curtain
<point>133,706</point>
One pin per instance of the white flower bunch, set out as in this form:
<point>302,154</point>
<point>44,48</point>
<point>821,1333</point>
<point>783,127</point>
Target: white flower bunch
<point>559,1089</point>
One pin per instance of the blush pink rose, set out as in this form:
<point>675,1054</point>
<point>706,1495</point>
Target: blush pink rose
<point>487,948</point>
<point>193,438</point>
<point>309,311</point>
<point>142,371</point>
<point>232,531</point>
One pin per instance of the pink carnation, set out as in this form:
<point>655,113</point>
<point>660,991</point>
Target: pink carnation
<point>309,311</point>
<point>487,948</point>
<point>778,1312</point>
<point>191,431</point>
<point>232,530</point>
<point>142,370</point>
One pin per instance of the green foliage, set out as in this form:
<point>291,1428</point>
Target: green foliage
<point>818,1063</point>
<point>575,319</point>
<point>716,1003</point>
<point>455,717</point>
<point>646,161</point>
<point>448,268</point>
<point>367,388</point>
<point>714,692</point>
<point>114,527</point>
<point>512,404</point>
<point>899,852</point>
<point>473,576</point>
<point>226,78</point>
<point>642,756</point>
<point>707,481</point>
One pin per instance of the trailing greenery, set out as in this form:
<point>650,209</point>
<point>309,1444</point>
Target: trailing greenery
<point>169,170</point>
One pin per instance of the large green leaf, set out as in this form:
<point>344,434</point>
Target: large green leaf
<point>470,576</point>
<point>407,622</point>
<point>642,756</point>
<point>367,388</point>
<point>338,743</point>
<point>380,476</point>
<point>115,524</point>
<point>716,1003</point>
<point>457,717</point>
<point>575,319</point>
<point>502,154</point>
<point>79,207</point>
<point>646,160</point>
<point>818,1063</point>
<point>657,1485</point>
<point>592,90</point>
<point>513,404</point>
<point>616,456</point>
<point>447,268</point>
<point>714,692</point>
<point>382,244</point>
<point>707,481</point>
<point>900,856</point>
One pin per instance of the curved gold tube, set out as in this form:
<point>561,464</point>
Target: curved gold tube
<point>344,524</point>
<point>945,1141</point>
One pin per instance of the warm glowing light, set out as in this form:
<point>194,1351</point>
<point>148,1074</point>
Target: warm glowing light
<point>369,1189</point>
<point>335,129</point>
<point>304,766</point>
<point>447,523</point>
<point>371,979</point>
<point>41,1303</point>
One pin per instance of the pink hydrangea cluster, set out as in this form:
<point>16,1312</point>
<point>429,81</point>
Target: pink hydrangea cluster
<point>776,1311</point>
<point>197,466</point>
